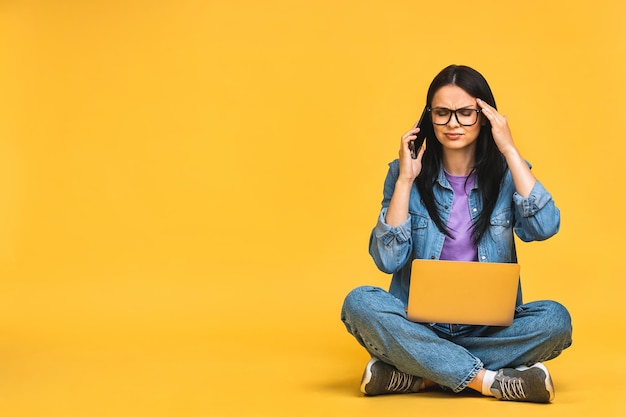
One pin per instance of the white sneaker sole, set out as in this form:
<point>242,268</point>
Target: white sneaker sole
<point>367,374</point>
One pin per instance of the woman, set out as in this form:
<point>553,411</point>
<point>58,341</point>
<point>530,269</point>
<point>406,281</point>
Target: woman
<point>469,159</point>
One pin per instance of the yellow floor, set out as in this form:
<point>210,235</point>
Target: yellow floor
<point>174,350</point>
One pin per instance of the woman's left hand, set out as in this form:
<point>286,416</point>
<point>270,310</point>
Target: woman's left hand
<point>522,177</point>
<point>499,127</point>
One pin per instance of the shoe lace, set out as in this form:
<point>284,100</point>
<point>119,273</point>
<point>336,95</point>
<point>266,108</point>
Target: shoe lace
<point>400,382</point>
<point>512,388</point>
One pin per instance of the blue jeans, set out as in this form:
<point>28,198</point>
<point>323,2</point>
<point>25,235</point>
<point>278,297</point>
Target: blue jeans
<point>448,354</point>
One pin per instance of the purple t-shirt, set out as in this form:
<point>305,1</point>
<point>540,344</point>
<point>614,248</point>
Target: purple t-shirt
<point>461,246</point>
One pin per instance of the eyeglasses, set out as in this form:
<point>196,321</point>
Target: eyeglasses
<point>442,116</point>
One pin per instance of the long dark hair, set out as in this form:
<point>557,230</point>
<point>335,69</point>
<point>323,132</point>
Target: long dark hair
<point>490,164</point>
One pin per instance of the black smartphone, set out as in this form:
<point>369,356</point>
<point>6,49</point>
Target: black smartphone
<point>416,144</point>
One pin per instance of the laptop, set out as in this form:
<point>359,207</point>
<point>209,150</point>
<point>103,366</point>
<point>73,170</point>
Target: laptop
<point>478,293</point>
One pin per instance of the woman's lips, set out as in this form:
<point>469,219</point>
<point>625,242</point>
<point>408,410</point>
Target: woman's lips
<point>454,136</point>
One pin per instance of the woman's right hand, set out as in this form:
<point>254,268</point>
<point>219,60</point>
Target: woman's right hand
<point>398,210</point>
<point>409,167</point>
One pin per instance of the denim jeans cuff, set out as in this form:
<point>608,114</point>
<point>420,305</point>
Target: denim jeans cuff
<point>477,367</point>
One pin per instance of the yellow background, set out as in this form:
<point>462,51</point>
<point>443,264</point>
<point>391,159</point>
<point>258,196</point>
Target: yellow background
<point>188,189</point>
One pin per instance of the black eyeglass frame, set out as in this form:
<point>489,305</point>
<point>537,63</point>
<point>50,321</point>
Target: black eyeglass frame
<point>430,109</point>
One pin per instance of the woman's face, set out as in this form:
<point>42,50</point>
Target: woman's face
<point>454,135</point>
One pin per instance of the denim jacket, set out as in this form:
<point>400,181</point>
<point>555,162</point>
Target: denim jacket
<point>393,248</point>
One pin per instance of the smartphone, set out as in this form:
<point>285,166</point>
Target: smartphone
<point>416,144</point>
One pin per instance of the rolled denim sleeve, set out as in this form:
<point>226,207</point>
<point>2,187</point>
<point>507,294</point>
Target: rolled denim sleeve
<point>538,218</point>
<point>390,247</point>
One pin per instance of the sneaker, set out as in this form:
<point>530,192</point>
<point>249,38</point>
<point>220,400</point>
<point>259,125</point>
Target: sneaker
<point>381,378</point>
<point>532,384</point>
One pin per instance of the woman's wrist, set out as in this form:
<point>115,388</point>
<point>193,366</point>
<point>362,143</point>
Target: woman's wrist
<point>511,154</point>
<point>406,183</point>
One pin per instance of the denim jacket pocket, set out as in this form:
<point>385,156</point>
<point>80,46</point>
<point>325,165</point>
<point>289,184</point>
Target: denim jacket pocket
<point>501,230</point>
<point>501,221</point>
<point>419,226</point>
